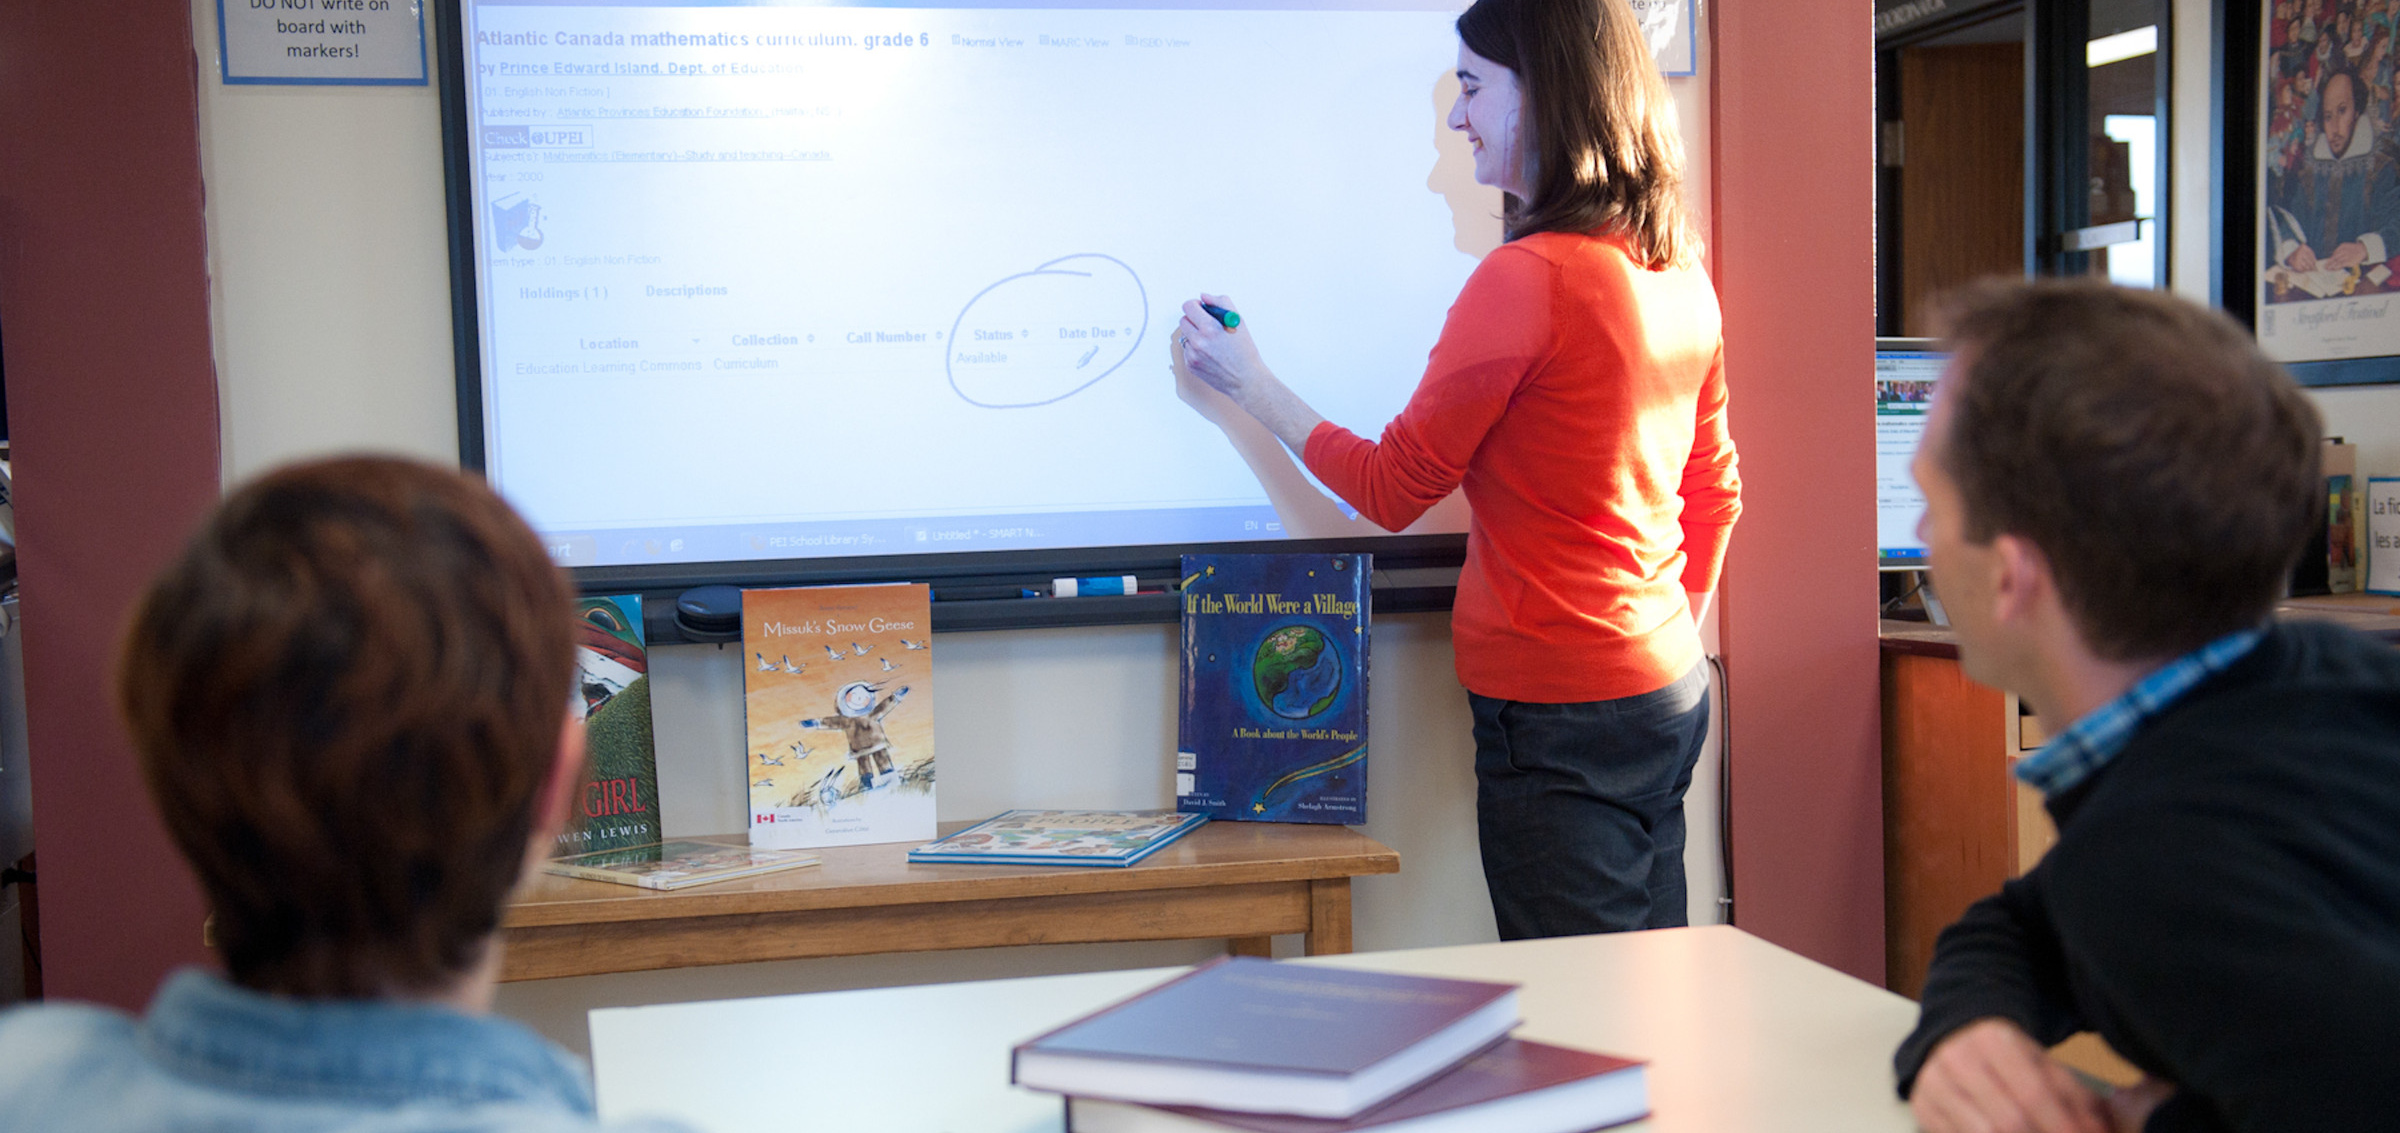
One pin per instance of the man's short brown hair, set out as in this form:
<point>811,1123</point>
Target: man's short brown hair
<point>2166,469</point>
<point>346,695</point>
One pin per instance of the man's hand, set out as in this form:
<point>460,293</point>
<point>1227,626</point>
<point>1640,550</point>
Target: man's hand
<point>2303,258</point>
<point>1991,1077</point>
<point>2349,255</point>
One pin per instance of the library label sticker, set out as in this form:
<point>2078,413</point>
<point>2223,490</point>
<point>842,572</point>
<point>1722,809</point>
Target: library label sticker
<point>311,42</point>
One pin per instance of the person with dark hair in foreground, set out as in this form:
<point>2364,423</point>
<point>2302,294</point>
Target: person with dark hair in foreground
<point>349,699</point>
<point>2117,485</point>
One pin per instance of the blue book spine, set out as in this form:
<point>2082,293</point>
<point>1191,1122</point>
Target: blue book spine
<point>1273,720</point>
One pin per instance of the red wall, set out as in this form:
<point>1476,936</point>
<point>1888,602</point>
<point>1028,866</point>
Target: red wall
<point>112,402</point>
<point>1794,250</point>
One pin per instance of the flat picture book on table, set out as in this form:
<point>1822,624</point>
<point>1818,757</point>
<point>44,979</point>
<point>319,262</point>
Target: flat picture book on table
<point>678,864</point>
<point>838,703</point>
<point>1062,837</point>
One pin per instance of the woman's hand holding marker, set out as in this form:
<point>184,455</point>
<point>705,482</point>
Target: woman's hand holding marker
<point>1213,346</point>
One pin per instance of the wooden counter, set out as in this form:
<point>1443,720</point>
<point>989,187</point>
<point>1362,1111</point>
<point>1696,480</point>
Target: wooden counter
<point>1242,881</point>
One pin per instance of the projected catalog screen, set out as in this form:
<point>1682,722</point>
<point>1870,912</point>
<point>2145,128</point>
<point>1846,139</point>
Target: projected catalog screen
<point>788,281</point>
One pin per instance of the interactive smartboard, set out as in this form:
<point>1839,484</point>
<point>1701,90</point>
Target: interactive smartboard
<point>785,281</point>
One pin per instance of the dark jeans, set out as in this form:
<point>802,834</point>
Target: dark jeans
<point>1579,808</point>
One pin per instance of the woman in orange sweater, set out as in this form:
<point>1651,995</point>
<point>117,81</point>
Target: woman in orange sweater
<point>1578,395</point>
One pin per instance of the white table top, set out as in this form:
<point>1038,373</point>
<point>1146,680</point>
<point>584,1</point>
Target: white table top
<point>1741,1036</point>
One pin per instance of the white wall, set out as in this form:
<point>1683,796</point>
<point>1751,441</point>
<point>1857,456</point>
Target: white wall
<point>331,305</point>
<point>2367,416</point>
<point>329,269</point>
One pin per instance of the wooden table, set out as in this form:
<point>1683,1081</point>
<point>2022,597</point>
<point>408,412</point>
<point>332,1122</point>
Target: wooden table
<point>1243,881</point>
<point>1741,1037</point>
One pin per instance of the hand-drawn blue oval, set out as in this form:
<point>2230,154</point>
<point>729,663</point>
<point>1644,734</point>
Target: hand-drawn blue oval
<point>1045,335</point>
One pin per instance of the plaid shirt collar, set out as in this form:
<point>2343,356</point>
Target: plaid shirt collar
<point>2091,742</point>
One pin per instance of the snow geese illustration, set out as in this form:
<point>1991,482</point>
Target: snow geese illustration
<point>834,653</point>
<point>861,650</point>
<point>827,788</point>
<point>912,644</point>
<point>793,669</point>
<point>888,666</point>
<point>764,665</point>
<point>765,760</point>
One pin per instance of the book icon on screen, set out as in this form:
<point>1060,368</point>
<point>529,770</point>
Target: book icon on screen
<point>516,223</point>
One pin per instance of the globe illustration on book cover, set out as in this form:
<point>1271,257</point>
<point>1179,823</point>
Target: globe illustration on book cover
<point>1297,672</point>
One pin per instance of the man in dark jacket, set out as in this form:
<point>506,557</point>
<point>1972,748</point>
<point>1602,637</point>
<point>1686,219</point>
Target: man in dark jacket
<point>2117,485</point>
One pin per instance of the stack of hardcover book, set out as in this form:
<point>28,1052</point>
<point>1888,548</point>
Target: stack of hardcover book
<point>1251,1045</point>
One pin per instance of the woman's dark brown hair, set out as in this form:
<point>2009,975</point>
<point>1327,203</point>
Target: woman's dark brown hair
<point>347,694</point>
<point>1597,131</point>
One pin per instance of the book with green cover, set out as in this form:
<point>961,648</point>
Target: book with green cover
<point>618,805</point>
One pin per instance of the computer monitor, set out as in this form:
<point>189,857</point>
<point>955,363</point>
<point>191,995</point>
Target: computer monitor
<point>1905,372</point>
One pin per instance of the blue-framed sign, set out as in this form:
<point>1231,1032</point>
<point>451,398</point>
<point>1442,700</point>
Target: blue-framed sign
<point>322,42</point>
<point>1672,27</point>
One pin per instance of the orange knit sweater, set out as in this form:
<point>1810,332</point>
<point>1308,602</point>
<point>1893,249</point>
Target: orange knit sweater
<point>1581,401</point>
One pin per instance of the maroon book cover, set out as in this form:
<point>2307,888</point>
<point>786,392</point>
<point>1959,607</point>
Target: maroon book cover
<point>1248,1013</point>
<point>1508,1069</point>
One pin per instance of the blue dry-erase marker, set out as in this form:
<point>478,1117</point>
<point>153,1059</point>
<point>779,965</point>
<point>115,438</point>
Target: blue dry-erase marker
<point>1231,319</point>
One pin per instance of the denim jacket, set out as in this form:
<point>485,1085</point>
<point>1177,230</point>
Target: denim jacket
<point>211,1056</point>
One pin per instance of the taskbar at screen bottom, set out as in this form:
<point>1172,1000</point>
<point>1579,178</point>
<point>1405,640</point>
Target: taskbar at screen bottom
<point>716,543</point>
